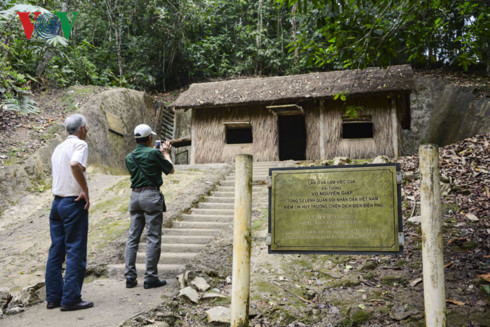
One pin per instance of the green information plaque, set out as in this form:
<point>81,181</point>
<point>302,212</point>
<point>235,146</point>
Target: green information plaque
<point>341,209</point>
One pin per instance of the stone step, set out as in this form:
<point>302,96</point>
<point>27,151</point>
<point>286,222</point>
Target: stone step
<point>165,271</point>
<point>201,225</point>
<point>201,211</point>
<point>208,218</point>
<point>215,205</point>
<point>216,199</point>
<point>226,189</point>
<point>228,183</point>
<point>189,231</point>
<point>195,248</point>
<point>185,239</point>
<point>168,258</point>
<point>224,194</point>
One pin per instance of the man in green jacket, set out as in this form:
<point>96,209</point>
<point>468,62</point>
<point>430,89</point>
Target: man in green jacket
<point>146,164</point>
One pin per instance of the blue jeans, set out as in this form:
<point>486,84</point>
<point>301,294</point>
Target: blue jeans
<point>145,208</point>
<point>68,225</point>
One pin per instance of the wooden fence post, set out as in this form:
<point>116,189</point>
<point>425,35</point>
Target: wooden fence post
<point>242,239</point>
<point>432,249</point>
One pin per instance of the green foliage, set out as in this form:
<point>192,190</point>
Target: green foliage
<point>358,34</point>
<point>167,44</point>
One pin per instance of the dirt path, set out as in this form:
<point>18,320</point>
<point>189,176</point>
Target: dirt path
<point>25,240</point>
<point>113,304</point>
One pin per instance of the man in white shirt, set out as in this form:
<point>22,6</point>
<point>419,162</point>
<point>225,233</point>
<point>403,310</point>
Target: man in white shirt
<point>68,220</point>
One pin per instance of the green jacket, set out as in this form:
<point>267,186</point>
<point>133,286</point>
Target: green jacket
<point>153,163</point>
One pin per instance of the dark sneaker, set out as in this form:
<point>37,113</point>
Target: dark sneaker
<point>53,305</point>
<point>77,306</point>
<point>154,283</point>
<point>130,283</point>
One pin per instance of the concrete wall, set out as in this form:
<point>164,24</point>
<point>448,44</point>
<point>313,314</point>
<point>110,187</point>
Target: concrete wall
<point>443,113</point>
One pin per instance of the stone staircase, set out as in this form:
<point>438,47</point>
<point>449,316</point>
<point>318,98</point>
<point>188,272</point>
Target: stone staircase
<point>188,236</point>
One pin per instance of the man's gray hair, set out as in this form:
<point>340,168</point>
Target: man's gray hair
<point>74,122</point>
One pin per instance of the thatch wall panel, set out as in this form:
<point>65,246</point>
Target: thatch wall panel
<point>312,121</point>
<point>209,136</point>
<point>380,144</point>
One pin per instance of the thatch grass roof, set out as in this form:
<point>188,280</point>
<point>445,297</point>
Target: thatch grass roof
<point>284,89</point>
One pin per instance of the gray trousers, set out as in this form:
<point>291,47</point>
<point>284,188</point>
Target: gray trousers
<point>145,208</point>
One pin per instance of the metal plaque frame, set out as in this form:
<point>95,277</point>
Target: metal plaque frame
<point>391,172</point>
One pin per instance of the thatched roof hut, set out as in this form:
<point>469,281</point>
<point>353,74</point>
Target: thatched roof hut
<point>256,109</point>
<point>282,89</point>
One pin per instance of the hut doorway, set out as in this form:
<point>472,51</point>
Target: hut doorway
<point>292,137</point>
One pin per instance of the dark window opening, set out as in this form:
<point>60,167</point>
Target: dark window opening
<point>357,130</point>
<point>292,137</point>
<point>238,135</point>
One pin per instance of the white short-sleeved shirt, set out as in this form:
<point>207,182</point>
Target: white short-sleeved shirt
<point>72,149</point>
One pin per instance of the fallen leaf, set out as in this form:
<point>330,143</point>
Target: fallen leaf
<point>362,306</point>
<point>459,303</point>
<point>485,277</point>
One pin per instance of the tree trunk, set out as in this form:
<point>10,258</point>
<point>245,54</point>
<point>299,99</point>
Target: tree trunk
<point>295,37</point>
<point>258,39</point>
<point>49,54</point>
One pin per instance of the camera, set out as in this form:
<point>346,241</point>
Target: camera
<point>157,144</point>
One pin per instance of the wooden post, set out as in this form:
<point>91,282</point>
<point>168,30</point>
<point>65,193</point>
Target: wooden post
<point>242,239</point>
<point>322,130</point>
<point>432,252</point>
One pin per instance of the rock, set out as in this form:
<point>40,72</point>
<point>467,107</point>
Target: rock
<point>14,310</point>
<point>180,279</point>
<point>190,293</point>
<point>30,295</point>
<point>409,175</point>
<point>201,284</point>
<point>228,280</point>
<point>5,297</point>
<point>219,314</point>
<point>472,217</point>
<point>160,324</point>
<point>414,282</point>
<point>212,295</point>
<point>401,311</point>
<point>340,161</point>
<point>381,159</point>
<point>416,220</point>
